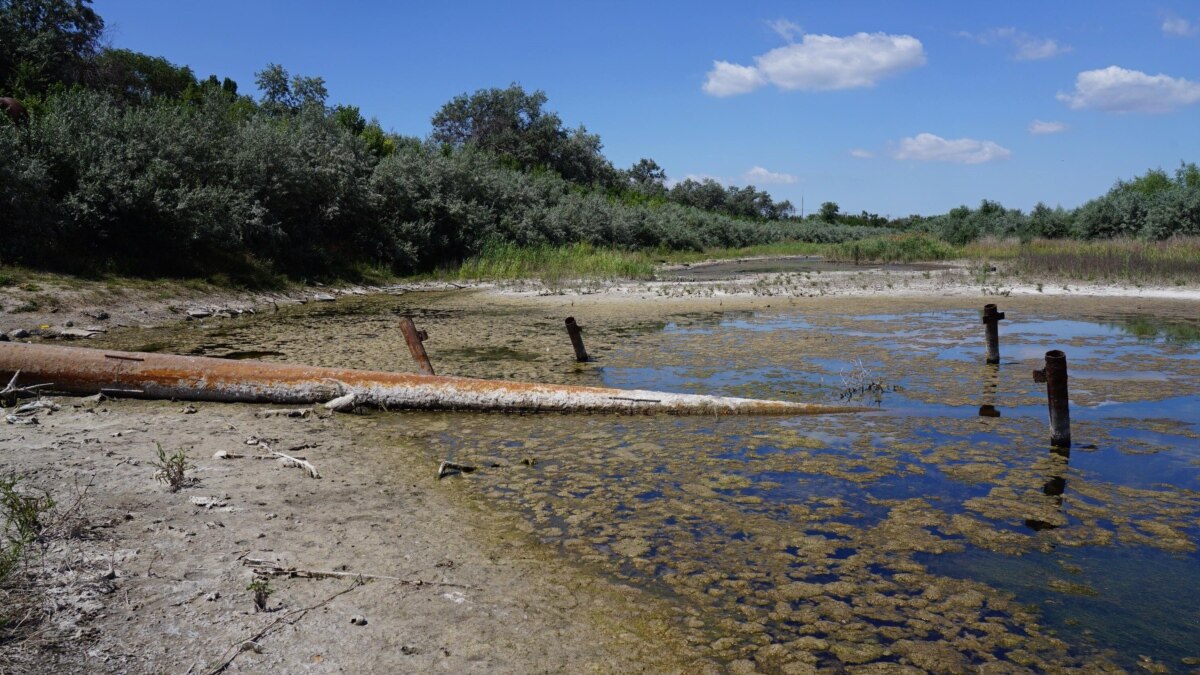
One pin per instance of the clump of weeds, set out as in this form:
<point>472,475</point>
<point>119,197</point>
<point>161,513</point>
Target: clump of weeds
<point>262,591</point>
<point>172,469</point>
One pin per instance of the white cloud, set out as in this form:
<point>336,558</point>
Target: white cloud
<point>764,177</point>
<point>1032,49</point>
<point>1178,26</point>
<point>1026,47</point>
<point>821,63</point>
<point>1038,127</point>
<point>785,28</point>
<point>729,79</point>
<point>861,153</point>
<point>930,148</point>
<point>1116,89</point>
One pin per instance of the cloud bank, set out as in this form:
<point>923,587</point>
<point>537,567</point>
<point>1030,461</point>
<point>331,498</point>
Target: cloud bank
<point>1040,128</point>
<point>1116,89</point>
<point>820,63</point>
<point>1026,47</point>
<point>927,147</point>
<point>761,176</point>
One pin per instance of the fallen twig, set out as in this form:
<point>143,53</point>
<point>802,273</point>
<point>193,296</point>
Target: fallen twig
<point>268,568</point>
<point>266,630</point>
<point>289,460</point>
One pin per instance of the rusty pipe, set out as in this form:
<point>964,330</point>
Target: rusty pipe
<point>76,370</point>
<point>575,332</point>
<point>1057,397</point>
<point>991,323</point>
<point>416,344</point>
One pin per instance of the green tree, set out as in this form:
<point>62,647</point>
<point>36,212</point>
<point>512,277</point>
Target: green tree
<point>512,123</point>
<point>138,77</point>
<point>43,42</point>
<point>288,94</point>
<point>829,212</point>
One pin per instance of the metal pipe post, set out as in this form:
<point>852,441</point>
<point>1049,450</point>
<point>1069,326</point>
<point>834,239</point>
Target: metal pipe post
<point>1055,377</point>
<point>991,321</point>
<point>575,331</point>
<point>415,339</point>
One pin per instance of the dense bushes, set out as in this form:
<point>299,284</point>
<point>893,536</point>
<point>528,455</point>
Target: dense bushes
<point>213,184</point>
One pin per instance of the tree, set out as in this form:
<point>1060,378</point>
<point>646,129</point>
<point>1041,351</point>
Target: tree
<point>284,95</point>
<point>512,124</point>
<point>43,42</point>
<point>139,77</point>
<point>829,212</point>
<point>648,177</point>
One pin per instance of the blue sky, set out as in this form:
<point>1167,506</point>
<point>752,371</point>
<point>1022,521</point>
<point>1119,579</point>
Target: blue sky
<point>890,107</point>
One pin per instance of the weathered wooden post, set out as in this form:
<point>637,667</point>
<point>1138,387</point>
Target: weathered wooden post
<point>415,338</point>
<point>1055,377</point>
<point>575,331</point>
<point>991,321</point>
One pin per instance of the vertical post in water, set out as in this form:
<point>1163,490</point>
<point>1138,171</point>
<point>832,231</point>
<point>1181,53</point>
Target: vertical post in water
<point>1055,377</point>
<point>991,321</point>
<point>574,331</point>
<point>415,338</point>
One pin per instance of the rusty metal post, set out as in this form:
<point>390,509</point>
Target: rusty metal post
<point>575,331</point>
<point>1055,377</point>
<point>991,321</point>
<point>415,339</point>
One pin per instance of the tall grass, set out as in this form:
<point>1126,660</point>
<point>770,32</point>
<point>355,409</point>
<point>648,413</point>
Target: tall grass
<point>553,264</point>
<point>779,248</point>
<point>895,248</point>
<point>1175,260</point>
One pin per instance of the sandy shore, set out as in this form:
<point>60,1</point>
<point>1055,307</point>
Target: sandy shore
<point>136,578</point>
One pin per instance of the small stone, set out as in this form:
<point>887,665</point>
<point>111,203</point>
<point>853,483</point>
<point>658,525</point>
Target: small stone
<point>70,324</point>
<point>19,333</point>
<point>198,313</point>
<point>358,620</point>
<point>213,596</point>
<point>323,297</point>
<point>102,316</point>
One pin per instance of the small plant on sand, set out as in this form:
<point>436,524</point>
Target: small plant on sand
<point>23,525</point>
<point>262,590</point>
<point>172,469</point>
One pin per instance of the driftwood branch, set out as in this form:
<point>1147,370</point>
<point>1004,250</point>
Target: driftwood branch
<point>267,568</point>
<point>288,460</point>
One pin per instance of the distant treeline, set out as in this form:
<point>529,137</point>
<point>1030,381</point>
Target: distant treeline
<point>129,163</point>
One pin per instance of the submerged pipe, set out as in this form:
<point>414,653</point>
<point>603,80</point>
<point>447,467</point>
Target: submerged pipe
<point>76,370</point>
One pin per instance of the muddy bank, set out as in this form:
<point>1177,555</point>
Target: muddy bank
<point>573,525</point>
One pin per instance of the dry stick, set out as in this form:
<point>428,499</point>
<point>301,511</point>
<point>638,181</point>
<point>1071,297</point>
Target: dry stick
<point>288,460</point>
<point>268,568</point>
<point>237,647</point>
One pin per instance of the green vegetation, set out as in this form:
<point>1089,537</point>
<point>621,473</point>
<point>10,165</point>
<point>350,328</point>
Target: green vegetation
<point>172,469</point>
<point>131,165</point>
<point>554,264</point>
<point>22,514</point>
<point>894,248</point>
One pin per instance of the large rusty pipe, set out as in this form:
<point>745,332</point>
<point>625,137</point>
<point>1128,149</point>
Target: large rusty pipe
<point>76,370</point>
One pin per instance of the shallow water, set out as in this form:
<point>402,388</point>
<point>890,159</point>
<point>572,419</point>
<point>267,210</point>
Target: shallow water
<point>924,533</point>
